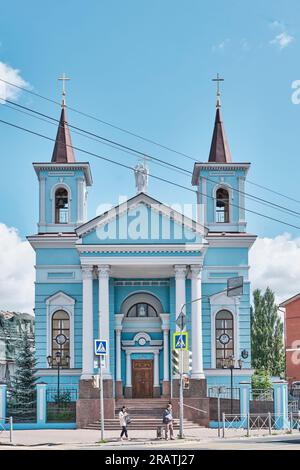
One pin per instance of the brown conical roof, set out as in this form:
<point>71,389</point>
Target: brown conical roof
<point>219,150</point>
<point>63,150</point>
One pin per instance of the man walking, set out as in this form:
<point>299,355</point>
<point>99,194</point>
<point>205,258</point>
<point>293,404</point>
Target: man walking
<point>123,415</point>
<point>168,421</point>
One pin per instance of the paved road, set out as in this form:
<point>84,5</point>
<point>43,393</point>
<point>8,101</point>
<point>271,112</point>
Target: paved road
<point>289,442</point>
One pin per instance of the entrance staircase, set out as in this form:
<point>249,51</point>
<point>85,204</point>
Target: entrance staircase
<point>146,414</point>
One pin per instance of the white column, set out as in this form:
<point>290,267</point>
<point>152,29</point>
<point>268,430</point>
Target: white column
<point>42,218</point>
<point>128,369</point>
<point>87,323</point>
<point>156,369</point>
<point>197,344</point>
<point>103,275</point>
<point>118,354</point>
<point>180,275</point>
<point>166,354</point>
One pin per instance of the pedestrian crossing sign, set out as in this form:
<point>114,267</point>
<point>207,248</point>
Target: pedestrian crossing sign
<point>101,347</point>
<point>180,340</point>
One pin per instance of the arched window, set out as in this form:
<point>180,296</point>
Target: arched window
<point>222,205</point>
<point>61,336</point>
<point>61,206</point>
<point>141,310</point>
<point>224,336</point>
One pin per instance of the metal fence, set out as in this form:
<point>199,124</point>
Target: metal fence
<point>257,422</point>
<point>6,429</point>
<point>266,394</point>
<point>61,406</point>
<point>226,392</point>
<point>21,406</point>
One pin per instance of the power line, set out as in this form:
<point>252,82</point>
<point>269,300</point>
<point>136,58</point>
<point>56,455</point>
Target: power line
<point>135,135</point>
<point>90,116</point>
<point>151,175</point>
<point>132,151</point>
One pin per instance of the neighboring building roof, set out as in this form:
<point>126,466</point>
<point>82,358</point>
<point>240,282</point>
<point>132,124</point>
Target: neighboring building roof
<point>219,150</point>
<point>63,150</point>
<point>290,300</point>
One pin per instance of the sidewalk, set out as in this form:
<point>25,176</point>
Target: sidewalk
<point>46,437</point>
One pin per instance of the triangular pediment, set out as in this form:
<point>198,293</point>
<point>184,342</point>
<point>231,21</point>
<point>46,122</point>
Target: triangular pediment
<point>141,219</point>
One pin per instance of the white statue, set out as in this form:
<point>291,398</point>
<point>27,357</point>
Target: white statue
<point>141,173</point>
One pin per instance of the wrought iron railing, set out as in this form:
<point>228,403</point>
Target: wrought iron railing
<point>268,422</point>
<point>61,405</point>
<point>226,392</point>
<point>266,394</point>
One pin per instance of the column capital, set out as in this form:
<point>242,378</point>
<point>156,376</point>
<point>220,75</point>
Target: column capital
<point>128,352</point>
<point>118,329</point>
<point>196,270</point>
<point>180,271</point>
<point>103,271</point>
<point>87,271</point>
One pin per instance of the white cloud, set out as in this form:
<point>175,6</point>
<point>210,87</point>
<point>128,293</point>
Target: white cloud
<point>17,260</point>
<point>221,46</point>
<point>282,40</point>
<point>275,262</point>
<point>7,73</point>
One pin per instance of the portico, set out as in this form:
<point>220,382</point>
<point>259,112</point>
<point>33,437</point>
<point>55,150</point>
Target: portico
<point>150,336</point>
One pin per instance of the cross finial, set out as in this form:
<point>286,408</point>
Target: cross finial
<point>218,80</point>
<point>63,78</point>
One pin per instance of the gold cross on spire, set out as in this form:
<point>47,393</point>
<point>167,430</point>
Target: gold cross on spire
<point>63,78</point>
<point>218,80</point>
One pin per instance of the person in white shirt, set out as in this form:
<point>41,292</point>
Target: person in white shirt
<point>123,422</point>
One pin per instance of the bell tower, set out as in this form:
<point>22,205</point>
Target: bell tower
<point>220,183</point>
<point>63,182</point>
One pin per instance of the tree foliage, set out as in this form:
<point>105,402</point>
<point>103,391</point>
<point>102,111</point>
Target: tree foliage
<point>267,334</point>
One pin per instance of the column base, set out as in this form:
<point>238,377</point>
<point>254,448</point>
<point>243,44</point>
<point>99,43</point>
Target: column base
<point>87,389</point>
<point>128,392</point>
<point>119,389</point>
<point>166,388</point>
<point>156,392</point>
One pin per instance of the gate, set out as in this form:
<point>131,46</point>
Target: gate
<point>61,407</point>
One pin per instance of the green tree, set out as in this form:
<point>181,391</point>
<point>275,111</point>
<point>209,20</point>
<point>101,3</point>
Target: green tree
<point>266,334</point>
<point>22,399</point>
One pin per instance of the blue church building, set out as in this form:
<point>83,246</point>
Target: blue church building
<point>125,275</point>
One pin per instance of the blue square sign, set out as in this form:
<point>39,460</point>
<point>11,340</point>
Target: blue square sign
<point>101,347</point>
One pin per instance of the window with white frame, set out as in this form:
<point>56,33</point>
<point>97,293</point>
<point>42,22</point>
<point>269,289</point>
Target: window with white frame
<point>224,327</point>
<point>61,206</point>
<point>222,205</point>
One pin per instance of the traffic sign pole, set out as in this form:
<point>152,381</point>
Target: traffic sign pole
<point>101,398</point>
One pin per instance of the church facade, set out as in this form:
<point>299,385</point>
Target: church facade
<point>125,275</point>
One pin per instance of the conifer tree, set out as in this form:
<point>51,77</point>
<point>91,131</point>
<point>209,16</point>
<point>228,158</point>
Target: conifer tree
<point>22,400</point>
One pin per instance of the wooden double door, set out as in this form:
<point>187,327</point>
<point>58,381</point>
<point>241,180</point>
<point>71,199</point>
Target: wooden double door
<point>142,378</point>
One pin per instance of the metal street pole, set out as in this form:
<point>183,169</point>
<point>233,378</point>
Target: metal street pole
<point>58,369</point>
<point>231,390</point>
<point>181,435</point>
<point>219,412</point>
<point>101,398</point>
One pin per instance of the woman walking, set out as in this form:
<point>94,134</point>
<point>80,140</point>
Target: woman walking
<point>123,422</point>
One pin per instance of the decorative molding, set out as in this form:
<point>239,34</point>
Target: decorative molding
<point>60,301</point>
<point>141,248</point>
<point>65,167</point>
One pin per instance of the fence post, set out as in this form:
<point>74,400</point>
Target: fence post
<point>10,429</point>
<point>41,404</point>
<point>245,389</point>
<point>281,404</point>
<point>3,392</point>
<point>223,424</point>
<point>270,423</point>
<point>248,424</point>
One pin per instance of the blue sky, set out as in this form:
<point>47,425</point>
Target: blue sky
<point>147,66</point>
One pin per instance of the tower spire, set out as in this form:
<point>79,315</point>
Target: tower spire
<point>219,150</point>
<point>63,150</point>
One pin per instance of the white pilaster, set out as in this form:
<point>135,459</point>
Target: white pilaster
<point>180,275</point>
<point>118,354</point>
<point>166,354</point>
<point>42,218</point>
<point>103,276</point>
<point>128,369</point>
<point>87,323</point>
<point>197,344</point>
<point>156,369</point>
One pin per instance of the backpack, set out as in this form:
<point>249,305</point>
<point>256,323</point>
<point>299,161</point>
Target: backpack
<point>166,417</point>
<point>128,420</point>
